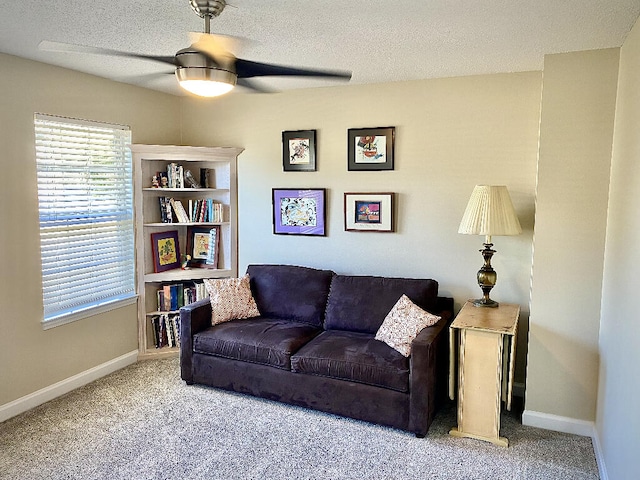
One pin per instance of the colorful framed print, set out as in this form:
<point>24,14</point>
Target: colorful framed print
<point>166,251</point>
<point>368,212</point>
<point>203,246</point>
<point>370,148</point>
<point>299,151</point>
<point>299,211</point>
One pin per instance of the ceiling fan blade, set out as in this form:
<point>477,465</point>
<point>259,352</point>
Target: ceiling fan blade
<point>218,47</point>
<point>248,69</point>
<point>72,48</point>
<point>243,82</point>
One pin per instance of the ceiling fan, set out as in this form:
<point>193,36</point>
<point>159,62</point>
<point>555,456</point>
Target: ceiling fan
<point>207,67</point>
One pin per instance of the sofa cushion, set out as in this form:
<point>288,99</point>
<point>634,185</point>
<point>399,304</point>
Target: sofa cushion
<point>257,340</point>
<point>230,299</point>
<point>291,292</point>
<point>402,325</point>
<point>356,357</point>
<point>361,303</point>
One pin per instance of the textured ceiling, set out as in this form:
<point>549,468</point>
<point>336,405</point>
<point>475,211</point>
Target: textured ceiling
<point>378,40</point>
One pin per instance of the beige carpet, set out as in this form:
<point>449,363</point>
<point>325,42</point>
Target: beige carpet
<point>143,422</point>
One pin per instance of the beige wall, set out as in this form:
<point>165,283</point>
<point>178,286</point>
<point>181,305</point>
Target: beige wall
<point>578,105</point>
<point>31,358</point>
<point>450,135</point>
<point>618,418</point>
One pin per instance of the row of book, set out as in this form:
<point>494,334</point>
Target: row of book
<point>177,177</point>
<point>172,297</point>
<point>166,330</point>
<point>198,211</point>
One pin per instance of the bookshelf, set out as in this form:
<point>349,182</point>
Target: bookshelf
<point>149,160</point>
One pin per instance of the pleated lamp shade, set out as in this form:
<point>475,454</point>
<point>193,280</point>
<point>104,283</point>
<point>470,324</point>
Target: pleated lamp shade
<point>490,212</point>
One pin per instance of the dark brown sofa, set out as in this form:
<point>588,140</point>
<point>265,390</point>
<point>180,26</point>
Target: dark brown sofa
<point>313,345</point>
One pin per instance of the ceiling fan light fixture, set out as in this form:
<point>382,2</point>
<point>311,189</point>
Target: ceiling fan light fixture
<point>206,81</point>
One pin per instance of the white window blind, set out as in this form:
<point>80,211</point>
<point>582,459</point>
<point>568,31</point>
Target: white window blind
<point>85,197</point>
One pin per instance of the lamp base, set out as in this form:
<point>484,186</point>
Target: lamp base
<point>486,278</point>
<point>485,302</point>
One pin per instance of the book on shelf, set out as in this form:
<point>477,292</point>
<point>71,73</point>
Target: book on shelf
<point>179,210</point>
<point>166,215</point>
<point>166,330</point>
<point>204,210</point>
<point>207,178</point>
<point>171,297</point>
<point>175,174</point>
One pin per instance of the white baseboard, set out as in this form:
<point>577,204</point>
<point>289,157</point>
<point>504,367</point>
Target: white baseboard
<point>568,425</point>
<point>34,399</point>
<point>602,469</point>
<point>558,423</point>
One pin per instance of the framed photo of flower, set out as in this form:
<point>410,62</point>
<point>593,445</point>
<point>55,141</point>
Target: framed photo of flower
<point>203,246</point>
<point>370,148</point>
<point>299,211</point>
<point>166,250</point>
<point>368,212</point>
<point>299,151</point>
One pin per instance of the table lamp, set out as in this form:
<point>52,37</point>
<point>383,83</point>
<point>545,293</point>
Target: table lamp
<point>489,212</point>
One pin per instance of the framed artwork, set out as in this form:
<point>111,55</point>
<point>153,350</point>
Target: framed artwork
<point>368,212</point>
<point>203,246</point>
<point>165,250</point>
<point>299,151</point>
<point>298,211</point>
<point>370,148</point>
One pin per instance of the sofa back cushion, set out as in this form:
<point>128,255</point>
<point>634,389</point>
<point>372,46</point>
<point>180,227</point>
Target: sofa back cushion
<point>361,303</point>
<point>291,292</point>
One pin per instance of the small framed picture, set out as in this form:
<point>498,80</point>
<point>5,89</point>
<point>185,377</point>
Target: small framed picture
<point>368,212</point>
<point>299,151</point>
<point>166,251</point>
<point>370,148</point>
<point>203,246</point>
<point>299,211</point>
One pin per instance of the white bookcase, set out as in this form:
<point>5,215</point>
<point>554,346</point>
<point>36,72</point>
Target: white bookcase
<point>147,161</point>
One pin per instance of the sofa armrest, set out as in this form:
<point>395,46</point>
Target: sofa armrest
<point>194,318</point>
<point>429,370</point>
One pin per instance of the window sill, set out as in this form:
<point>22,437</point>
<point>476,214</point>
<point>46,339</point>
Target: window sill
<point>88,312</point>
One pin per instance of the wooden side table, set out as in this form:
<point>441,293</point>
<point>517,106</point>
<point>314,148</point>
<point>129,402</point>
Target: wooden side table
<point>486,343</point>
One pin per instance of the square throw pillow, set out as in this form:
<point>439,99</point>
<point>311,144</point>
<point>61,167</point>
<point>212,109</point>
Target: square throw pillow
<point>403,323</point>
<point>231,298</point>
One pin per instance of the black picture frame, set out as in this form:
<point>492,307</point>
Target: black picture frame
<point>299,151</point>
<point>370,149</point>
<point>203,253</point>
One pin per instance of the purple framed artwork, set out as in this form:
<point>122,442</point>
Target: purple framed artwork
<point>299,211</point>
<point>368,212</point>
<point>166,251</point>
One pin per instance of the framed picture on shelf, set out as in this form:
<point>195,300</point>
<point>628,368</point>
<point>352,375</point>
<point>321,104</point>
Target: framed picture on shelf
<point>203,246</point>
<point>166,251</point>
<point>368,212</point>
<point>370,148</point>
<point>299,211</point>
<point>299,151</point>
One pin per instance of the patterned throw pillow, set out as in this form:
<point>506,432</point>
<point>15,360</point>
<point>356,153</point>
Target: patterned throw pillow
<point>231,298</point>
<point>403,323</point>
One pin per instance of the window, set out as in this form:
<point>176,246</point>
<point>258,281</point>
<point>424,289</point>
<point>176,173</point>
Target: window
<point>85,198</point>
